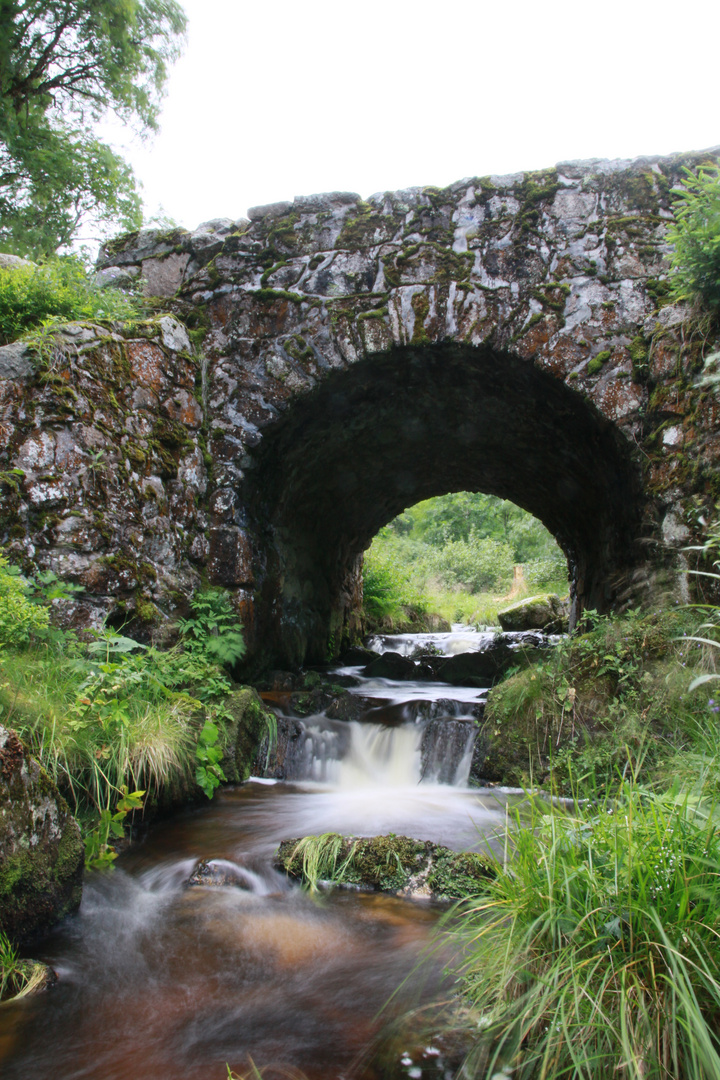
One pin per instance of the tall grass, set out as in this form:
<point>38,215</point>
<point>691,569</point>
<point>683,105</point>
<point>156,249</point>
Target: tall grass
<point>596,950</point>
<point>95,726</point>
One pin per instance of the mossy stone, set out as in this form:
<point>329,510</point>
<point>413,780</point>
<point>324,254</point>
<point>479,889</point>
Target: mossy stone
<point>41,849</point>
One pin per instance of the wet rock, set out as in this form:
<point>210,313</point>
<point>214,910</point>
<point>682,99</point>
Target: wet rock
<point>542,612</point>
<point>349,707</point>
<point>282,680</point>
<point>446,750</point>
<point>345,680</point>
<point>479,669</point>
<point>247,732</point>
<point>276,759</point>
<point>217,873</point>
<point>358,654</point>
<point>41,850</point>
<point>391,665</point>
<point>395,864</point>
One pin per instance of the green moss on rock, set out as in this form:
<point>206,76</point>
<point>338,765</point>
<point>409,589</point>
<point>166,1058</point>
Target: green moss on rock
<point>544,611</point>
<point>41,850</point>
<point>397,864</point>
<point>249,726</point>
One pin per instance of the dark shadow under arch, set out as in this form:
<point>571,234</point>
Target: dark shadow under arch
<point>347,457</point>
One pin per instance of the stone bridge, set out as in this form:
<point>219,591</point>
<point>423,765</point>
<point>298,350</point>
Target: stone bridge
<point>509,334</point>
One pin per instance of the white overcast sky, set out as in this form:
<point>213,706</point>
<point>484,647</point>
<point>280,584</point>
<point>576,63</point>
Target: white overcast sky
<point>276,99</point>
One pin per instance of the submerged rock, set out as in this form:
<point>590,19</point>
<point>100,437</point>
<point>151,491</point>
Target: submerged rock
<point>216,873</point>
<point>41,850</point>
<point>542,612</point>
<point>396,864</point>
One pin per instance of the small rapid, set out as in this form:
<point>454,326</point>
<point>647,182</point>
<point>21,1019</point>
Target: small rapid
<point>195,953</point>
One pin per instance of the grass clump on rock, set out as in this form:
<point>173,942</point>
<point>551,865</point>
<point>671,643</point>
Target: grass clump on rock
<point>389,863</point>
<point>61,290</point>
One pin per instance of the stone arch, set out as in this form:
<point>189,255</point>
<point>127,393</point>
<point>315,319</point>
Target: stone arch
<point>413,422</point>
<point>509,334</point>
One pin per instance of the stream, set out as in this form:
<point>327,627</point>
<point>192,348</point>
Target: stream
<point>160,980</point>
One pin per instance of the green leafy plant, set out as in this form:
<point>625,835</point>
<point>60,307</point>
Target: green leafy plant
<point>208,753</point>
<point>58,290</point>
<point>99,852</point>
<point>20,619</point>
<point>695,234</point>
<point>214,631</point>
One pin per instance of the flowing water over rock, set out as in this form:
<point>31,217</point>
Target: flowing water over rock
<point>195,951</point>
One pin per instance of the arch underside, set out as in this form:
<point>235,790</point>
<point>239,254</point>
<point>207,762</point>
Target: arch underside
<point>416,422</point>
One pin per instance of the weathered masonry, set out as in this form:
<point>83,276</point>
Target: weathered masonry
<point>347,358</point>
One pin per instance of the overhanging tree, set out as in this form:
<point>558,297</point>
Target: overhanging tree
<point>65,64</point>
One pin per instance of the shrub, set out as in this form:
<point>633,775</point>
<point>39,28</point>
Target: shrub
<point>60,289</point>
<point>548,570</point>
<point>475,564</point>
<point>390,581</point>
<point>696,236</point>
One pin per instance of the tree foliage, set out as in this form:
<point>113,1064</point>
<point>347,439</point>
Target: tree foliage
<point>64,65</point>
<point>463,514</point>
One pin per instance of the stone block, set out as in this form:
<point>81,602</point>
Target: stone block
<point>16,361</point>
<point>230,556</point>
<point>164,276</point>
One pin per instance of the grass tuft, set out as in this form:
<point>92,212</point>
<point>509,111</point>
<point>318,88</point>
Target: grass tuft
<point>596,951</point>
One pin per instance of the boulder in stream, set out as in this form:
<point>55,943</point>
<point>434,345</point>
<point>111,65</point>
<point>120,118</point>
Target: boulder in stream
<point>248,730</point>
<point>396,864</point>
<point>358,654</point>
<point>481,668</point>
<point>543,612</point>
<point>41,850</point>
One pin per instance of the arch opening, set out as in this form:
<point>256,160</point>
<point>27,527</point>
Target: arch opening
<point>458,558</point>
<point>416,422</point>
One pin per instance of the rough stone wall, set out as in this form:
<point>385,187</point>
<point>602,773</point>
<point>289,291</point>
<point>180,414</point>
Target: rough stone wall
<point>546,286</point>
<point>104,432</point>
